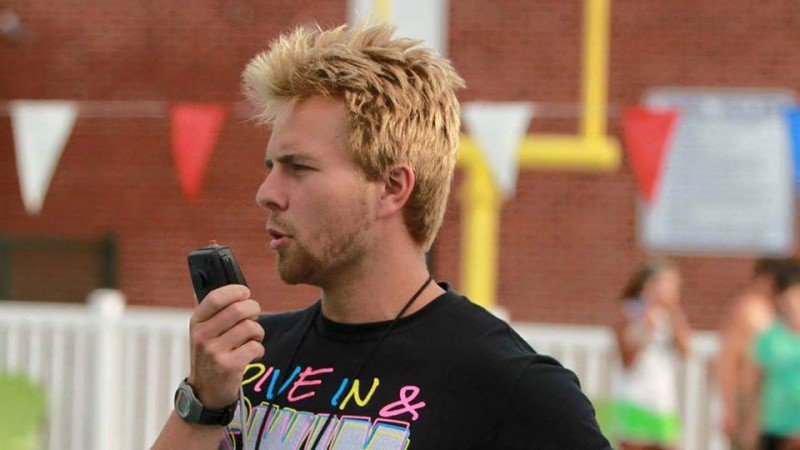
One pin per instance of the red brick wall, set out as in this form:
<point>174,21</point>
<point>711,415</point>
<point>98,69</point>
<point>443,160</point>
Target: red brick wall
<point>568,240</point>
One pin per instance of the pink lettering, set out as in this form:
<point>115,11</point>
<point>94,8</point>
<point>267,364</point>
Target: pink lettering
<point>303,381</point>
<point>257,388</point>
<point>404,405</point>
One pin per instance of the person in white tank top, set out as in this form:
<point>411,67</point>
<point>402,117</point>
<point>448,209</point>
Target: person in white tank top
<point>652,333</point>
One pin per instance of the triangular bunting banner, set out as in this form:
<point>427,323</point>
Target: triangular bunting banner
<point>646,135</point>
<point>794,133</point>
<point>195,128</point>
<point>499,128</point>
<point>41,130</point>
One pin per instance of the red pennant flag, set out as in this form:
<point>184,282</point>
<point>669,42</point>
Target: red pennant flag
<point>646,135</point>
<point>195,128</point>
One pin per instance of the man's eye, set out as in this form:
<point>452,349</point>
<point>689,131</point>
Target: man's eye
<point>300,167</point>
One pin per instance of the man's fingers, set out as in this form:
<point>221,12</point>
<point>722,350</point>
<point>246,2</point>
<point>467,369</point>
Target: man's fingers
<point>225,320</point>
<point>219,299</point>
<point>246,330</point>
<point>247,353</point>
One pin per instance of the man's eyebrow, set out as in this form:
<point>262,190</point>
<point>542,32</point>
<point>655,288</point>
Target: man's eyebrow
<point>289,158</point>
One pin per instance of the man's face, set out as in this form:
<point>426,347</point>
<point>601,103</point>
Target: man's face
<point>320,204</point>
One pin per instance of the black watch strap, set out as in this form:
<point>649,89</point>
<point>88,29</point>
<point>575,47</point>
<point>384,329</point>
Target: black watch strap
<point>217,416</point>
<point>190,409</point>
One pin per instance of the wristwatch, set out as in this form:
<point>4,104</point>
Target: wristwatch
<point>189,408</point>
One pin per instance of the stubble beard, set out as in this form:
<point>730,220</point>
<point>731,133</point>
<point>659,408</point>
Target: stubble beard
<point>299,265</point>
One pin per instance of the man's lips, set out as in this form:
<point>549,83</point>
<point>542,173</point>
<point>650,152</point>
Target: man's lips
<point>279,238</point>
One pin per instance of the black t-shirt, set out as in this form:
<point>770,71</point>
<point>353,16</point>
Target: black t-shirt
<point>450,376</point>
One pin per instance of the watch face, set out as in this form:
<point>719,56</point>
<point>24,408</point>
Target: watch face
<point>183,403</point>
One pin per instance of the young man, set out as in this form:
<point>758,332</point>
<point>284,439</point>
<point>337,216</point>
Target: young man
<point>359,164</point>
<point>753,313</point>
<point>776,351</point>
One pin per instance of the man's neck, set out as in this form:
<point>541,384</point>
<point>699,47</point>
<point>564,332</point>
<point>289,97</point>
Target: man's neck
<point>378,288</point>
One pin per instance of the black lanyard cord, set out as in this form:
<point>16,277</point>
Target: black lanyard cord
<point>369,355</point>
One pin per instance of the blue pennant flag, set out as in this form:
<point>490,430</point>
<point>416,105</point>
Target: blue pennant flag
<point>794,142</point>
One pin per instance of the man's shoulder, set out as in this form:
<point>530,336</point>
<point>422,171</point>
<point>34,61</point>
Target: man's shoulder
<point>485,327</point>
<point>506,357</point>
<point>538,390</point>
<point>471,315</point>
<point>474,336</point>
<point>550,396</point>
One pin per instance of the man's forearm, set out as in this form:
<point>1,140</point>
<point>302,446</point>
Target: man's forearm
<point>751,387</point>
<point>727,378</point>
<point>178,434</point>
<point>728,366</point>
<point>728,374</point>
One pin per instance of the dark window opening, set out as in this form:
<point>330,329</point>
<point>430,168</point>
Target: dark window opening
<point>52,269</point>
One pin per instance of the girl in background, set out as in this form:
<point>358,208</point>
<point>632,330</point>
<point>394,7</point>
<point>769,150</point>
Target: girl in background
<point>777,352</point>
<point>652,332</point>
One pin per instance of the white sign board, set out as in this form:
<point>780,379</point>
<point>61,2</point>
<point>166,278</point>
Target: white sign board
<point>727,183</point>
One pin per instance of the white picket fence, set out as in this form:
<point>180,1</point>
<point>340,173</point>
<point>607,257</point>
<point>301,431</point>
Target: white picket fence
<point>110,371</point>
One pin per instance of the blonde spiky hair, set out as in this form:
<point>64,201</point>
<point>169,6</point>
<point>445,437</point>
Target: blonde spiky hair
<point>400,101</point>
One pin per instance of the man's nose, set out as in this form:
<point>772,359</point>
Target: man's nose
<point>269,195</point>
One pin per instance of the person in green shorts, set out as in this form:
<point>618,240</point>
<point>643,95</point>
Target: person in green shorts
<point>777,352</point>
<point>652,333</point>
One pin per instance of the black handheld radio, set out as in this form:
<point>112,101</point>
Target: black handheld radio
<point>213,267</point>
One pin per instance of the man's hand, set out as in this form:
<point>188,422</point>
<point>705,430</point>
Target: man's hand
<point>225,337</point>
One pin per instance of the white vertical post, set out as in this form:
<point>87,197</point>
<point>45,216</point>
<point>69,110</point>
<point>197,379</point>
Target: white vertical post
<point>35,352</point>
<point>718,439</point>
<point>591,380</point>
<point>12,348</point>
<point>569,357</point>
<point>78,395</point>
<point>695,387</point>
<point>177,352</point>
<point>108,306</point>
<point>57,408</point>
<point>151,392</point>
<point>131,392</point>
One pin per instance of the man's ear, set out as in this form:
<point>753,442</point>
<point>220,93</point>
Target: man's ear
<point>398,183</point>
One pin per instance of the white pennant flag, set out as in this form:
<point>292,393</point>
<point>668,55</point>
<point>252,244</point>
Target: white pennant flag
<point>499,128</point>
<point>41,130</point>
<point>415,19</point>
